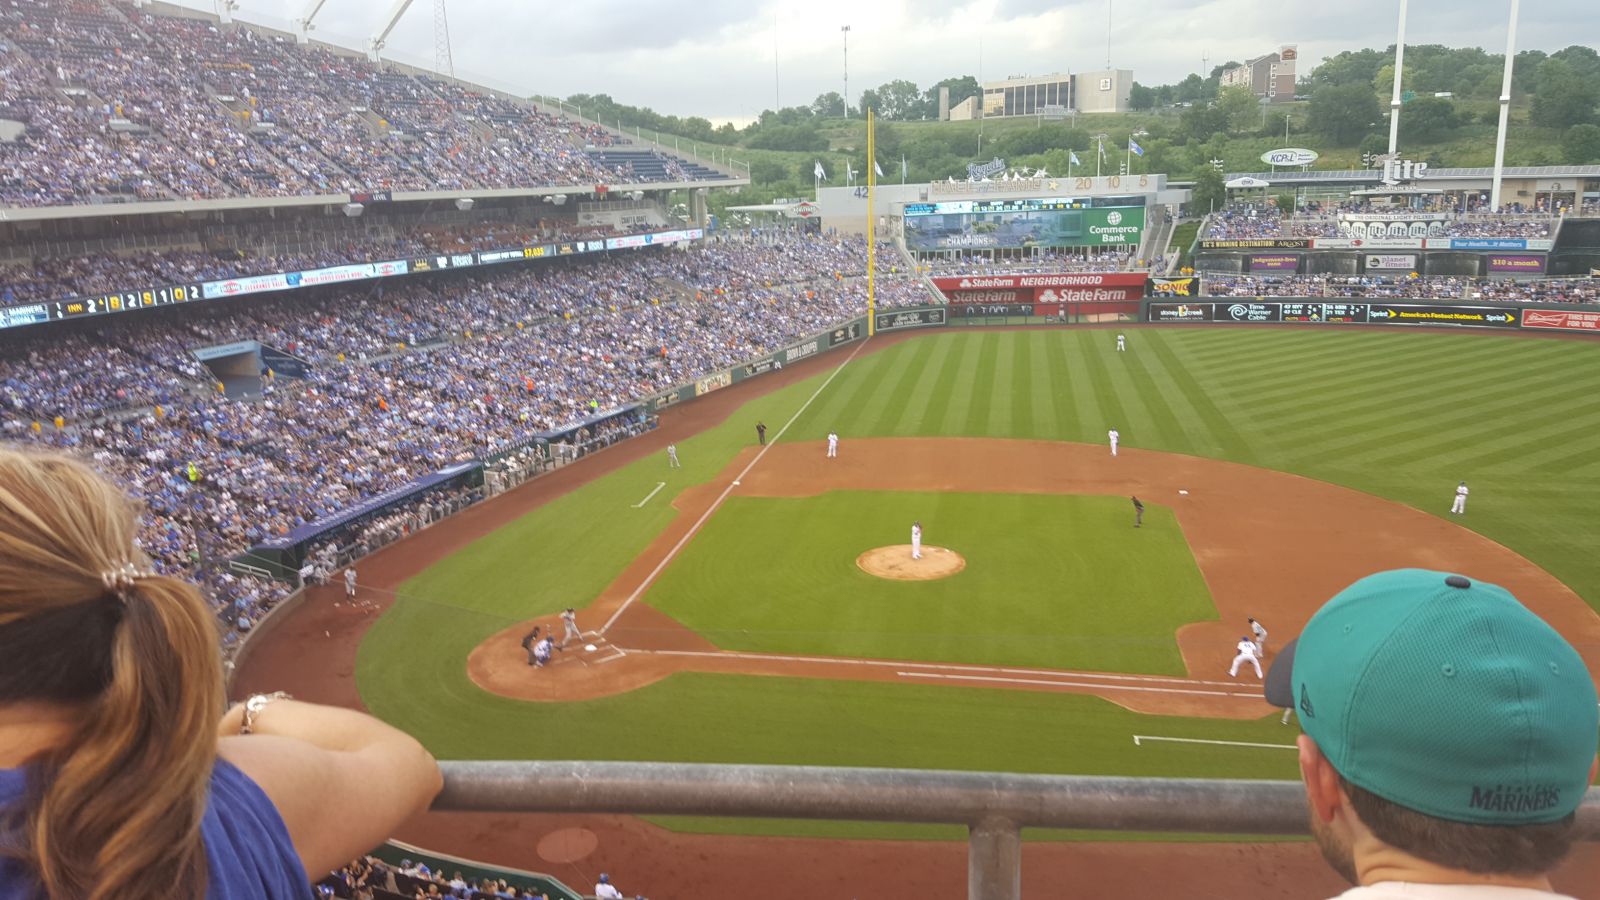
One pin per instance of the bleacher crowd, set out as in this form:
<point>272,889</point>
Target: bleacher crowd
<point>1243,221</point>
<point>118,104</point>
<point>404,379</point>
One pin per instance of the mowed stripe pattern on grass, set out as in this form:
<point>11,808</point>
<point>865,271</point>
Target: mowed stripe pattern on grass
<point>1400,414</point>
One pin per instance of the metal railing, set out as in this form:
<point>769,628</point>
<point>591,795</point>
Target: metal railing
<point>994,806</point>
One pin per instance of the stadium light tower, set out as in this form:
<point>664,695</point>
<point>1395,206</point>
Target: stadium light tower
<point>845,30</point>
<point>1505,109</point>
<point>302,34</point>
<point>441,35</point>
<point>1399,64</point>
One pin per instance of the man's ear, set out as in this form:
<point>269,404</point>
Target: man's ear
<point>1323,794</point>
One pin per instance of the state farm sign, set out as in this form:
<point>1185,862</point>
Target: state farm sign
<point>1073,287</point>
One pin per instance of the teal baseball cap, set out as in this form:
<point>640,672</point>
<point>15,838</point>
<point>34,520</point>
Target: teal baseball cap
<point>1445,696</point>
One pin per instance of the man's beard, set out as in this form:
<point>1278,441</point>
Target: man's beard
<point>1334,850</point>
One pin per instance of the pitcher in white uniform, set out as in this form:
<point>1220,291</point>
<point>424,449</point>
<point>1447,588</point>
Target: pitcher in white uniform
<point>916,540</point>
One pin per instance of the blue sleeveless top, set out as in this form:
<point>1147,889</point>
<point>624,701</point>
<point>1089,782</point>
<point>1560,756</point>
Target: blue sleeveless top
<point>248,852</point>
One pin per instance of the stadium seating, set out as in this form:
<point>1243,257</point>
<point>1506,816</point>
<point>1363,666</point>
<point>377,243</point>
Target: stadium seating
<point>120,105</point>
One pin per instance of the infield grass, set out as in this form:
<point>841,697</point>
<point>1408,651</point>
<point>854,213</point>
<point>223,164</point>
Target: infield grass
<point>1400,414</point>
<point>1054,581</point>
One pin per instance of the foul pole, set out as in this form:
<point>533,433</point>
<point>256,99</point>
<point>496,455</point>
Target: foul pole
<point>872,225</point>
<point>1505,109</point>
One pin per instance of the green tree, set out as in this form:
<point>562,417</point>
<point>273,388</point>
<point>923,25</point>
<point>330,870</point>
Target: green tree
<point>1351,67</point>
<point>899,99</point>
<point>1427,119</point>
<point>829,106</point>
<point>1566,97</point>
<point>1141,97</point>
<point>1209,192</point>
<point>767,170</point>
<point>1239,107</point>
<point>961,87</point>
<point>868,100</point>
<point>1344,112</point>
<point>1581,144</point>
<point>1191,89</point>
<point>1203,120</point>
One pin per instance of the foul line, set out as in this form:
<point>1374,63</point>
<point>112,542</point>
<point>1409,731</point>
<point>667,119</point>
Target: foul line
<point>949,667</point>
<point>694,529</point>
<point>1077,684</point>
<point>641,503</point>
<point>1150,737</point>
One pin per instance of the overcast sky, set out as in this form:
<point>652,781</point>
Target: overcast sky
<point>715,58</point>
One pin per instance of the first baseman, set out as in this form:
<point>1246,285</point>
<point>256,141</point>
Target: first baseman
<point>1247,654</point>
<point>833,444</point>
<point>916,540</point>
<point>1459,507</point>
<point>1122,343</point>
<point>1114,436</point>
<point>672,457</point>
<point>1261,637</point>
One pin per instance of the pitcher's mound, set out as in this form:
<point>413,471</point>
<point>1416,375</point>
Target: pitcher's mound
<point>896,562</point>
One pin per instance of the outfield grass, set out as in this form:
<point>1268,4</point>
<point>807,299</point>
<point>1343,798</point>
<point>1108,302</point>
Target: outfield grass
<point>1400,414</point>
<point>1059,581</point>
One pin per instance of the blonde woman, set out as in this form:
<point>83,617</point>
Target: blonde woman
<point>117,781</point>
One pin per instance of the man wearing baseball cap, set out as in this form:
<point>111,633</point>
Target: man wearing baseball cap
<point>1450,735</point>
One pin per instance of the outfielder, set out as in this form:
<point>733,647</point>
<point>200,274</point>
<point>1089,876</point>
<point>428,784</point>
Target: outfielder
<point>1459,507</point>
<point>833,444</point>
<point>1122,344</point>
<point>672,457</point>
<point>350,582</point>
<point>569,621</point>
<point>1114,436</point>
<point>916,540</point>
<point>1261,637</point>
<point>1247,653</point>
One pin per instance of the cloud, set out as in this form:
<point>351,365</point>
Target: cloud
<point>715,58</point>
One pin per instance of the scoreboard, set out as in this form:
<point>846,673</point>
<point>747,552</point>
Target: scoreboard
<point>99,304</point>
<point>981,207</point>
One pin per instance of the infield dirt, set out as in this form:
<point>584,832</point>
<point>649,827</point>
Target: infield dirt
<point>1259,537</point>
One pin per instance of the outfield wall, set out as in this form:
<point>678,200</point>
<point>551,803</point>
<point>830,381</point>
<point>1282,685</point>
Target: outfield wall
<point>844,334</point>
<point>1528,317</point>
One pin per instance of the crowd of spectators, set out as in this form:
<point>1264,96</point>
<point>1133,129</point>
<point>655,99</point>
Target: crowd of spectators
<point>405,378</point>
<point>370,878</point>
<point>1438,287</point>
<point>1242,221</point>
<point>45,277</point>
<point>126,105</point>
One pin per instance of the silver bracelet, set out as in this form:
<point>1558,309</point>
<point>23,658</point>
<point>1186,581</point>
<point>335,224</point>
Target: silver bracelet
<point>255,705</point>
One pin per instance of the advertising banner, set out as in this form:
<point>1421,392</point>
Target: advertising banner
<point>1442,314</point>
<point>1283,262</point>
<point>1243,311</point>
<point>1523,263</point>
<point>800,351</point>
<point>759,367</point>
<point>1488,244</point>
<point>1385,243</point>
<point>1336,313</point>
<point>845,334</point>
<point>711,383</point>
<point>1258,244</point>
<point>1570,321</point>
<point>910,318</point>
<point>1186,286</point>
<point>238,287</point>
<point>1086,287</point>
<point>1181,312</point>
<point>1406,261</point>
<point>980,310</point>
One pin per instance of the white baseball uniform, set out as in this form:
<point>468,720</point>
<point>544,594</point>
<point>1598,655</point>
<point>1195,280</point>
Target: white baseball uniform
<point>569,621</point>
<point>1122,343</point>
<point>833,445</point>
<point>1113,435</point>
<point>916,542</point>
<point>606,891</point>
<point>350,582</point>
<point>1261,638</point>
<point>672,457</point>
<point>1459,507</point>
<point>1247,653</point>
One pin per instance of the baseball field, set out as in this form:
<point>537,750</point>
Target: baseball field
<point>732,623</point>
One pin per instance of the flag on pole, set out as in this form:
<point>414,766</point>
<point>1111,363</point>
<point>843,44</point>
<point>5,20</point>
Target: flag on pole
<point>1102,145</point>
<point>821,175</point>
<point>1134,146</point>
<point>849,173</point>
<point>1072,155</point>
<point>905,170</point>
<point>877,168</point>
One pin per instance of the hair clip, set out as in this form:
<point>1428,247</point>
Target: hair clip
<point>120,580</point>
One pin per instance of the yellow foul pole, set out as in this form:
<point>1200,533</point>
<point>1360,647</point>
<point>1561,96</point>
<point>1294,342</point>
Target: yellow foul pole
<point>872,227</point>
